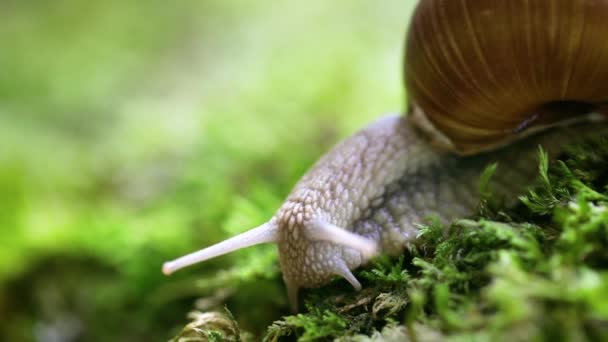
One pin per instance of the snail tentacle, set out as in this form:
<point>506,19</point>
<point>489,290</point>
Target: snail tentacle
<point>323,231</point>
<point>342,270</point>
<point>266,233</point>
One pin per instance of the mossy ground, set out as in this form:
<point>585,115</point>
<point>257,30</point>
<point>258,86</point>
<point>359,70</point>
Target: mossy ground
<point>534,272</point>
<point>132,132</point>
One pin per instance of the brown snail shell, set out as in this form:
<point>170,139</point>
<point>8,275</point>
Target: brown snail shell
<point>482,71</point>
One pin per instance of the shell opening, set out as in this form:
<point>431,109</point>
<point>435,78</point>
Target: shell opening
<point>554,112</point>
<point>568,107</point>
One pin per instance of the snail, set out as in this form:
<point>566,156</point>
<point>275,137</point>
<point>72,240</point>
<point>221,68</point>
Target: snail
<point>487,81</point>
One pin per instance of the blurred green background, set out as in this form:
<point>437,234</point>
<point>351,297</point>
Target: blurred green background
<point>132,132</point>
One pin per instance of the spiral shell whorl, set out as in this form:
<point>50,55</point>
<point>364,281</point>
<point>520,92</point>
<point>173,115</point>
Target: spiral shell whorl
<point>482,70</point>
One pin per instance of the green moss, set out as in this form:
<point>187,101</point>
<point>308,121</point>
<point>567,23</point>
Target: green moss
<point>212,327</point>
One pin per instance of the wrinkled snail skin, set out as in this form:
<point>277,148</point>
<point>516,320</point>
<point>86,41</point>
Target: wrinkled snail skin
<point>386,180</point>
<point>488,82</point>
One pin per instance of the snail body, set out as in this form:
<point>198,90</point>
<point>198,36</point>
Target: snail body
<point>475,93</point>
